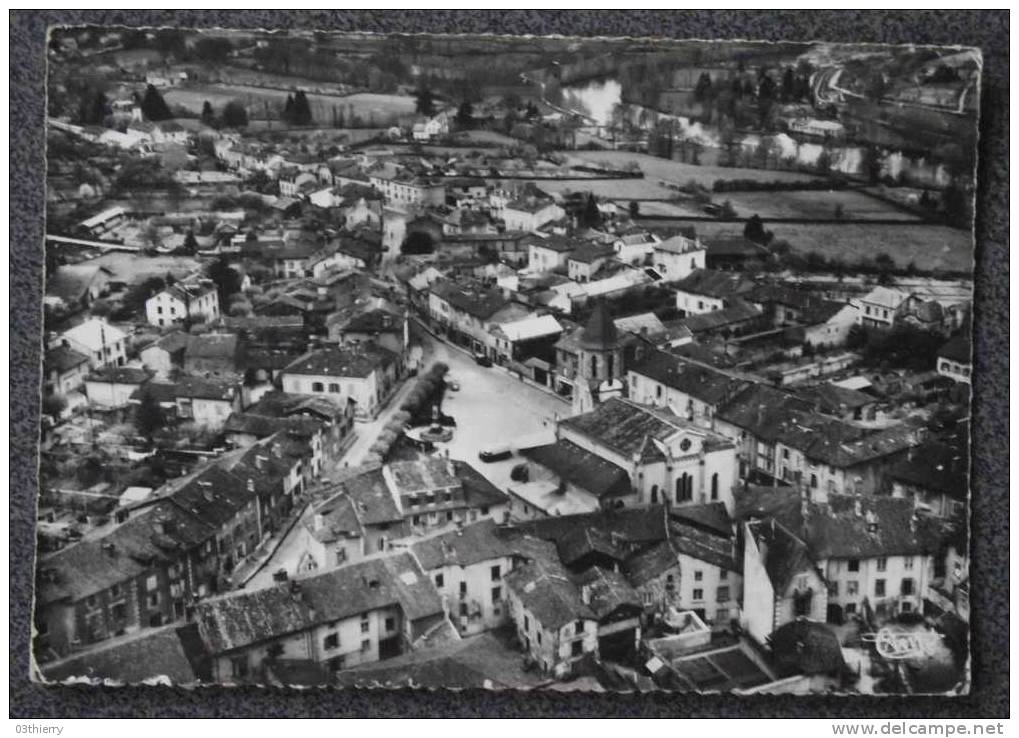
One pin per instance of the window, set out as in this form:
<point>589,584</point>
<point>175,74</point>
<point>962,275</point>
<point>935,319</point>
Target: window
<point>577,648</point>
<point>390,625</point>
<point>463,589</point>
<point>449,516</point>
<point>365,624</point>
<point>698,576</point>
<point>239,666</point>
<point>119,611</point>
<point>334,388</point>
<point>151,583</point>
<point>527,623</point>
<point>833,588</point>
<point>853,565</point>
<point>496,595</point>
<point>879,587</point>
<point>539,637</point>
<point>813,481</point>
<point>723,574</point>
<point>317,387</point>
<point>331,641</point>
<point>153,599</point>
<point>907,563</point>
<point>366,645</point>
<point>723,594</point>
<point>714,486</point>
<point>882,564</point>
<point>850,608</point>
<point>496,573</point>
<point>698,595</point>
<point>852,588</point>
<point>907,587</point>
<point>439,581</point>
<point>654,494</point>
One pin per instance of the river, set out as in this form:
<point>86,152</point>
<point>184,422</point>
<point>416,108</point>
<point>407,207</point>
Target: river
<point>597,98</point>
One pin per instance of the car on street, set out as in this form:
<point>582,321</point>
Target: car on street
<point>495,453</point>
<point>452,384</point>
<point>482,360</point>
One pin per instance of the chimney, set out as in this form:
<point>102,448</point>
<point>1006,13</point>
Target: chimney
<point>319,521</point>
<point>251,485</point>
<point>277,450</point>
<point>109,548</point>
<point>260,462</point>
<point>585,594</point>
<point>206,490</point>
<point>912,522</point>
<point>760,414</point>
<point>857,508</point>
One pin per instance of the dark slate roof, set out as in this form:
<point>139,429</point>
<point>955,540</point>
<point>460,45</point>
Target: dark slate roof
<point>590,252</point>
<point>626,426</point>
<point>579,541</point>
<point>478,491</point>
<point>546,590</point>
<point>705,546</point>
<point>599,332</point>
<point>201,388</point>
<point>578,466</point>
<point>482,541</point>
<point>806,647</point>
<point>707,385</point>
<point>70,281</point>
<point>711,516</point>
<point>713,283</point>
<point>375,321</point>
<point>354,360</point>
<point>244,618</point>
<point>609,591</point>
<point>152,653</point>
<point>936,466</point>
<point>172,342</point>
<point>283,404</point>
<point>738,312</point>
<point>62,359</point>
<point>760,501</point>
<point>213,345</point>
<point>265,425</point>
<point>785,555</point>
<point>374,504</point>
<point>119,375</point>
<point>652,563</point>
<point>298,672</point>
<point>832,399</point>
<point>735,246</point>
<point>481,304</point>
<point>957,349</point>
<point>858,527</point>
<point>635,526</point>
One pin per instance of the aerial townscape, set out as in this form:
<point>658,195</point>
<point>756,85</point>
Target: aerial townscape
<point>510,363</point>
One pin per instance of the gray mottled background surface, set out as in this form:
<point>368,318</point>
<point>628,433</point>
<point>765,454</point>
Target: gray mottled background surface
<point>988,30</point>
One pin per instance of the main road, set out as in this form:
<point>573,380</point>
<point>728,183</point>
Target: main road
<point>491,408</point>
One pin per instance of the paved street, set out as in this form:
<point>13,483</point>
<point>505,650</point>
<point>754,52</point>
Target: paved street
<point>491,408</point>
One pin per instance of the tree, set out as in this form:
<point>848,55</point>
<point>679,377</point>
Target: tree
<point>465,115</point>
<point>53,405</point>
<point>208,115</point>
<point>424,102</point>
<point>94,108</point>
<point>589,216</point>
<point>190,245</point>
<point>840,211</point>
<point>788,85</point>
<point>301,114</point>
<point>634,209</point>
<point>148,418</point>
<point>226,278</point>
<point>417,242</point>
<point>234,115</point>
<point>754,230</point>
<point>728,212</point>
<point>153,106</point>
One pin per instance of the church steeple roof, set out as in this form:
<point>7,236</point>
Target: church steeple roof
<point>600,332</point>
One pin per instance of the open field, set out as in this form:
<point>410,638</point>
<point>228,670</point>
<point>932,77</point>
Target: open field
<point>679,173</point>
<point>371,108</point>
<point>614,189</point>
<point>131,269</point>
<point>930,247</point>
<point>818,204</point>
<point>660,209</point>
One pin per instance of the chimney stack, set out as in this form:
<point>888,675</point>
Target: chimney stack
<point>260,462</point>
<point>585,594</point>
<point>319,521</point>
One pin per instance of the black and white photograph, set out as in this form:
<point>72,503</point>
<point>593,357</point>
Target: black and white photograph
<point>506,362</point>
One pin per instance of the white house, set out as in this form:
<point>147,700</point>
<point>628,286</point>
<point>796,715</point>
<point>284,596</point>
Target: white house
<point>955,360</point>
<point>112,387</point>
<point>877,308</point>
<point>102,343</point>
<point>195,301</point>
<point>530,213</point>
<point>363,372</point>
<point>675,258</point>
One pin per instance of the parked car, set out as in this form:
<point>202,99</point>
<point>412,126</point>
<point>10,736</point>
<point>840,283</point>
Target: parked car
<point>452,385</point>
<point>520,473</point>
<point>498,453</point>
<point>482,360</point>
